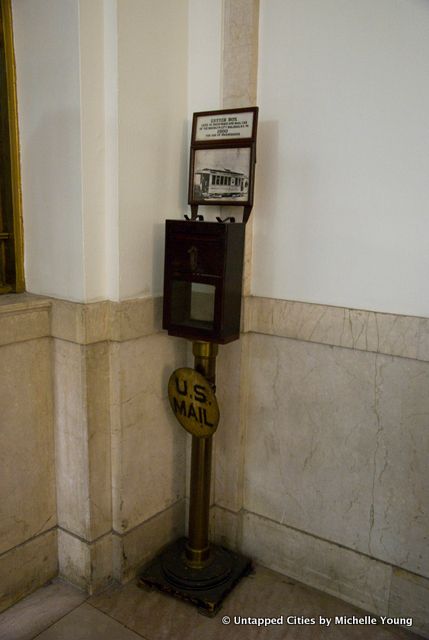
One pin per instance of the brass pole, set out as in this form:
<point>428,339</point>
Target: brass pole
<point>197,548</point>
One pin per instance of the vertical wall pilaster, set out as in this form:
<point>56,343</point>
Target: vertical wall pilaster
<point>239,78</point>
<point>239,84</point>
<point>83,468</point>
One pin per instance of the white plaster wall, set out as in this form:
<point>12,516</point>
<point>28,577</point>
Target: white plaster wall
<point>111,151</point>
<point>342,191</point>
<point>152,85</point>
<point>103,107</point>
<point>66,81</point>
<point>46,36</point>
<point>99,131</point>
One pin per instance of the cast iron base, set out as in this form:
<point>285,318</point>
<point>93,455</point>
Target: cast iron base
<point>207,587</point>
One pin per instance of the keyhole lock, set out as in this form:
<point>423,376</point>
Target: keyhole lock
<point>193,258</point>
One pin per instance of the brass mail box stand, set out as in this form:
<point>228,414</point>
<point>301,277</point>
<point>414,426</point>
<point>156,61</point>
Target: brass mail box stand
<point>202,302</point>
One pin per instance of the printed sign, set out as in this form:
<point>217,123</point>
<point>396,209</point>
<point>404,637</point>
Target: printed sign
<point>225,126</point>
<point>193,402</point>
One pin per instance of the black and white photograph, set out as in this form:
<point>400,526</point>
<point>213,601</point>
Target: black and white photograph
<point>221,174</point>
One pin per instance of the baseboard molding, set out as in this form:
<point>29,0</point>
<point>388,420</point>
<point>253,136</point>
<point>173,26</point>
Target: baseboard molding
<point>363,581</point>
<point>27,567</point>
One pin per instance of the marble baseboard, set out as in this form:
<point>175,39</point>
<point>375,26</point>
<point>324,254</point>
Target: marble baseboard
<point>27,567</point>
<point>88,565</point>
<point>134,549</point>
<point>226,527</point>
<point>372,585</point>
<point>336,570</point>
<point>409,596</point>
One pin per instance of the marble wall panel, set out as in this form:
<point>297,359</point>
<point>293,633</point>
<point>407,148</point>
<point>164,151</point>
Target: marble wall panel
<point>115,432</point>
<point>310,438</point>
<point>336,446</point>
<point>150,450</point>
<point>71,438</point>
<point>399,524</point>
<point>228,441</point>
<point>27,471</point>
<point>99,441</point>
<point>27,567</point>
<point>82,410</point>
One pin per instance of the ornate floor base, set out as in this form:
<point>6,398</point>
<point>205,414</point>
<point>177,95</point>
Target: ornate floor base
<point>207,587</point>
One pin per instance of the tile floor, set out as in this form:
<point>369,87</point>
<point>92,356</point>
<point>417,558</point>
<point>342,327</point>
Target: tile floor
<point>58,611</point>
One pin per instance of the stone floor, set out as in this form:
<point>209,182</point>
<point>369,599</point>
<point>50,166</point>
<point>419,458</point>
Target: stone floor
<point>58,611</point>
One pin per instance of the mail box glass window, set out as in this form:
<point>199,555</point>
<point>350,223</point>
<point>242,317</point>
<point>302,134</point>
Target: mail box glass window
<point>202,302</point>
<point>193,304</point>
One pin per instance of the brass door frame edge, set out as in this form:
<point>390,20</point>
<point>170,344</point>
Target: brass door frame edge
<point>12,104</point>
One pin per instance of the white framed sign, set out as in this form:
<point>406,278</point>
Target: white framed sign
<point>231,125</point>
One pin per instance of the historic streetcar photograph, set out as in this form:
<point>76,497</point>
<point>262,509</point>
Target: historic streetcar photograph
<point>221,174</point>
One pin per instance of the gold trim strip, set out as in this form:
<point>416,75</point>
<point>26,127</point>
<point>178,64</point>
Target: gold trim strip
<point>6,16</point>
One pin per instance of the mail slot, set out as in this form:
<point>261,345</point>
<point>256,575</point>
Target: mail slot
<point>203,279</point>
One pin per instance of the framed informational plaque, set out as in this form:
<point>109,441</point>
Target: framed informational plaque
<point>223,156</point>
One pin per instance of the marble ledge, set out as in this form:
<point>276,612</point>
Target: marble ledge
<point>26,317</point>
<point>23,317</point>
<point>389,334</point>
<point>106,320</point>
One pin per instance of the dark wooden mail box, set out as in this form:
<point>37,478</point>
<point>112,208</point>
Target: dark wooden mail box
<point>203,279</point>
